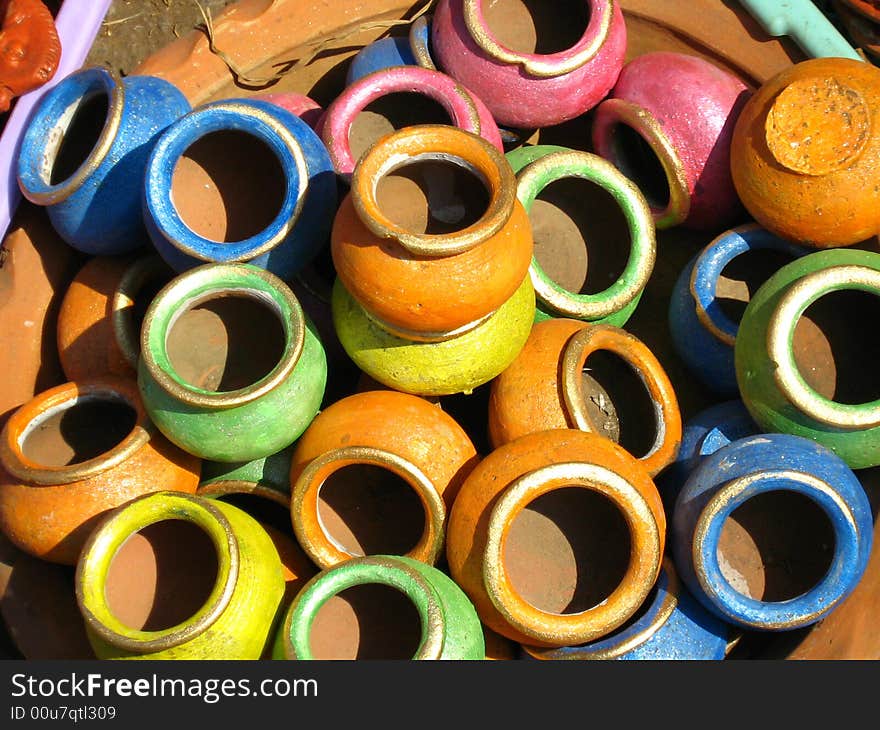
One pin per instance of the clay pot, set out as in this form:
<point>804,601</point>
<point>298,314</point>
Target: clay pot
<point>267,478</point>
<point>230,368</point>
<point>803,148</point>
<point>99,163</point>
<point>523,84</point>
<point>710,294</point>
<point>554,383</point>
<point>414,49</point>
<point>861,19</point>
<point>433,251</point>
<point>299,105</point>
<point>99,323</point>
<point>172,576</point>
<point>530,521</point>
<point>30,48</point>
<point>380,607</point>
<point>240,181</point>
<point>538,168</point>
<point>772,531</point>
<point>74,452</point>
<point>803,363</point>
<point>376,473</point>
<point>668,126</point>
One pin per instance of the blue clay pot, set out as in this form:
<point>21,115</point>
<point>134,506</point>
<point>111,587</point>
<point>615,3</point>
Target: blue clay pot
<point>673,625</point>
<point>104,129</point>
<point>702,333</point>
<point>411,50</point>
<point>752,467</point>
<point>302,225</point>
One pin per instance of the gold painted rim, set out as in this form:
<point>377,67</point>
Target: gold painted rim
<point>414,336</point>
<point>228,487</point>
<point>420,53</point>
<point>136,276</point>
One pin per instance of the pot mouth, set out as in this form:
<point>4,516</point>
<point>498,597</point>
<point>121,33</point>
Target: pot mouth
<point>57,400</point>
<point>105,542</point>
<point>438,143</point>
<point>259,120</point>
<point>780,346</point>
<point>140,274</point>
<point>542,65</point>
<point>775,615</point>
<point>378,569</point>
<point>420,42</point>
<point>205,283</point>
<point>612,113</point>
<point>710,265</point>
<point>646,547</point>
<point>535,177</point>
<point>315,537</point>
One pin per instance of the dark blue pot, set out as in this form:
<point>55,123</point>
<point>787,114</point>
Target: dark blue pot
<point>412,50</point>
<point>673,626</point>
<point>755,466</point>
<point>702,334</point>
<point>93,194</point>
<point>301,227</point>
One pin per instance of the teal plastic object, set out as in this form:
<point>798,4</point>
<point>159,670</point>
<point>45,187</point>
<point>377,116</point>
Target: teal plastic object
<point>804,23</point>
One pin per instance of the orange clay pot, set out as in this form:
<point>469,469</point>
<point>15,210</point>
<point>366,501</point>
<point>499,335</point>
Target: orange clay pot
<point>496,494</point>
<point>29,48</point>
<point>805,154</point>
<point>99,321</point>
<point>392,432</point>
<point>543,388</point>
<point>74,452</point>
<point>426,285</point>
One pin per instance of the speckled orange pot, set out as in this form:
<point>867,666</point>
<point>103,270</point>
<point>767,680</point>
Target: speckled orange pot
<point>98,330</point>
<point>403,434</point>
<point>543,388</point>
<point>49,509</point>
<point>805,154</point>
<point>426,285</point>
<point>496,493</point>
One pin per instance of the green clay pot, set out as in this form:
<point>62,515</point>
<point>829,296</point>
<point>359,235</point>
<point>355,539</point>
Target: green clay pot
<point>240,615</point>
<point>773,389</point>
<point>456,365</point>
<point>450,628</point>
<point>266,477</point>
<point>248,423</point>
<point>539,166</point>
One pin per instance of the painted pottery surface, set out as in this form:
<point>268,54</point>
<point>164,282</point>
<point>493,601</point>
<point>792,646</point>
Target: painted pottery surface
<point>267,477</point>
<point>300,105</point>
<point>30,49</point>
<point>412,50</point>
<point>102,175</point>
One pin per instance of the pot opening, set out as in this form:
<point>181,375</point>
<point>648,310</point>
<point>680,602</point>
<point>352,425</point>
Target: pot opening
<point>226,343</point>
<point>366,509</point>
<point>228,186</point>
<point>536,26</point>
<point>776,546</point>
<point>835,346</point>
<point>78,430</point>
<point>618,403</point>
<point>390,113</point>
<point>161,576</point>
<point>264,510</point>
<point>743,276</point>
<point>635,157</point>
<point>82,125</point>
<point>567,550</point>
<point>582,252</point>
<point>433,196</point>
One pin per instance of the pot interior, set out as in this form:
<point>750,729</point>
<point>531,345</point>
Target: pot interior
<point>80,135</point>
<point>743,276</point>
<point>635,157</point>
<point>536,26</point>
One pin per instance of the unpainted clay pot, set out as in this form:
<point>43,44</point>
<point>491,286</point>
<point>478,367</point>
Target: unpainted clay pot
<point>29,48</point>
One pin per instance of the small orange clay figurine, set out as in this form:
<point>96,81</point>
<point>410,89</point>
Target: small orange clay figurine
<point>29,48</point>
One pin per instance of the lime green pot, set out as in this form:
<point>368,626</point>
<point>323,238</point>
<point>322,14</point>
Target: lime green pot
<point>450,628</point>
<point>455,365</point>
<point>249,422</point>
<point>773,388</point>
<point>238,618</point>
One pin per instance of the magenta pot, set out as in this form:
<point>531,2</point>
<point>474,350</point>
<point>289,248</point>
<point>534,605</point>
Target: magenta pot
<point>668,126</point>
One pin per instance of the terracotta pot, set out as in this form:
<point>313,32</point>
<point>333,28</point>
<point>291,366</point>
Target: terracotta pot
<point>74,452</point>
<point>30,49</point>
<point>497,647</point>
<point>99,323</point>
<point>864,31</point>
<point>803,148</point>
<point>549,386</point>
<point>171,576</point>
<point>376,473</point>
<point>526,583</point>
<point>682,109</point>
<point>434,259</point>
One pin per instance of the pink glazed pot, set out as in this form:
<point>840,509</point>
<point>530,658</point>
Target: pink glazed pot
<point>530,90</point>
<point>682,109</point>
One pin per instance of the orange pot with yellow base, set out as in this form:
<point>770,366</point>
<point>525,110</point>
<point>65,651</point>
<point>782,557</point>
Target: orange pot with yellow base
<point>556,382</point>
<point>557,538</point>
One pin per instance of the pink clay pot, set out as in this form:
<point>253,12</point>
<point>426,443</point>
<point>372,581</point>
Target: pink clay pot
<point>300,105</point>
